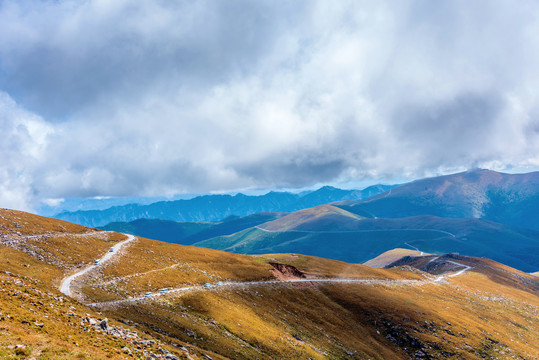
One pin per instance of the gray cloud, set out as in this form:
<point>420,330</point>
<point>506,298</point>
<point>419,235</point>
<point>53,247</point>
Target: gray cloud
<point>76,53</point>
<point>157,97</point>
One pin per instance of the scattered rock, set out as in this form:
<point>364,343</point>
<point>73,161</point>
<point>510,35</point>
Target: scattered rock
<point>127,351</point>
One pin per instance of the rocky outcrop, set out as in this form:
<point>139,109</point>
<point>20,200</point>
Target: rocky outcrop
<point>286,272</point>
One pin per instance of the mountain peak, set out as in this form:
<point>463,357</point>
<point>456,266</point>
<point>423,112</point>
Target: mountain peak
<point>328,188</point>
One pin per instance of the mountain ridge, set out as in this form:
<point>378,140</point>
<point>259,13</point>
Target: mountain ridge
<point>357,240</point>
<point>511,199</point>
<point>217,207</point>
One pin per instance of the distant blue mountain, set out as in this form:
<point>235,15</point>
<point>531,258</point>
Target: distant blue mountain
<point>218,207</point>
<point>476,213</point>
<point>102,203</point>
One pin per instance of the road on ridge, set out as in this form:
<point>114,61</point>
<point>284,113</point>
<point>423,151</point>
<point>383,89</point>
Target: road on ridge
<point>351,231</point>
<point>65,287</point>
<point>187,289</point>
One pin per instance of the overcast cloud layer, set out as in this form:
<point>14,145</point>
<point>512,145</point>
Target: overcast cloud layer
<point>118,98</point>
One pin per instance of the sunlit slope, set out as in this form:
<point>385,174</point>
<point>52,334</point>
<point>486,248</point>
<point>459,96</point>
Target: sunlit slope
<point>338,234</point>
<point>391,256</point>
<point>319,320</point>
<point>36,320</point>
<point>447,263</point>
<point>32,243</point>
<point>149,265</point>
<point>511,199</point>
<point>396,313</point>
<point>319,218</point>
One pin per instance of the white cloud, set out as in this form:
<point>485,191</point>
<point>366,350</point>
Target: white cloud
<point>155,97</point>
<point>24,138</point>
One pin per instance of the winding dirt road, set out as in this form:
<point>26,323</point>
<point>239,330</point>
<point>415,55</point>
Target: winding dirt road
<point>65,286</point>
<point>352,231</point>
<point>187,289</point>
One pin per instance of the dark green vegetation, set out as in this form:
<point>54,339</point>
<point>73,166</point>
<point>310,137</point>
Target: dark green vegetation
<point>218,207</point>
<point>511,199</point>
<point>187,233</point>
<point>334,233</point>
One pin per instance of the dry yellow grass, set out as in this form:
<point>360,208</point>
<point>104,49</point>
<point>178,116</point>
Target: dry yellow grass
<point>327,268</point>
<point>291,221</point>
<point>51,326</point>
<point>391,256</point>
<point>490,311</point>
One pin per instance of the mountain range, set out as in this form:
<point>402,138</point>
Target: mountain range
<point>218,207</point>
<point>335,233</point>
<point>477,213</point>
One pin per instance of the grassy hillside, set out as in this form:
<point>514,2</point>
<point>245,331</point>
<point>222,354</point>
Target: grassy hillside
<point>343,236</point>
<point>165,230</point>
<point>232,225</point>
<point>187,233</point>
<point>397,313</point>
<point>391,256</point>
<point>323,217</point>
<point>322,321</point>
<point>36,320</point>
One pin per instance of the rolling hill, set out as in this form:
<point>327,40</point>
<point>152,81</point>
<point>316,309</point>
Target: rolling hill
<point>265,307</point>
<point>187,233</point>
<point>511,199</point>
<point>218,207</point>
<point>334,233</point>
<point>391,256</point>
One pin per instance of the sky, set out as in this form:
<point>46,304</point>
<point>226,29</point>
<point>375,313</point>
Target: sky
<point>106,98</point>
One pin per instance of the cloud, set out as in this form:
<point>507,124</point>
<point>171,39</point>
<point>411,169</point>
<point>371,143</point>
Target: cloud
<point>154,97</point>
<point>24,138</point>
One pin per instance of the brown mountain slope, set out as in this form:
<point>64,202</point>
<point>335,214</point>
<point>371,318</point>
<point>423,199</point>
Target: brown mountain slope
<point>397,313</point>
<point>313,219</point>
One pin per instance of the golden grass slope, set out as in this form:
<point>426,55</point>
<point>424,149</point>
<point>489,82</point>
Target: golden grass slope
<point>391,256</point>
<point>38,323</point>
<point>490,311</point>
<point>311,320</point>
<point>309,218</point>
<point>36,320</point>
<point>468,317</point>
